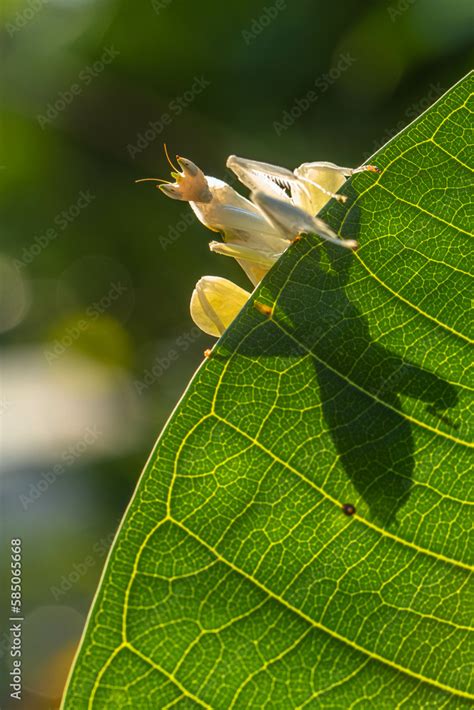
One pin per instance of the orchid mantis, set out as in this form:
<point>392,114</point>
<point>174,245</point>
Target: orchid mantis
<point>283,205</point>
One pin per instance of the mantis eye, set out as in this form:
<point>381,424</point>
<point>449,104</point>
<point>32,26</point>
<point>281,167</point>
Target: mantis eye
<point>173,191</point>
<point>189,168</point>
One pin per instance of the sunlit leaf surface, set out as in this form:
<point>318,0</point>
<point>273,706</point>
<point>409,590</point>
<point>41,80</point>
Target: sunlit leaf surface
<point>238,580</point>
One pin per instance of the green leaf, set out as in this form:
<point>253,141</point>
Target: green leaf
<point>237,580</point>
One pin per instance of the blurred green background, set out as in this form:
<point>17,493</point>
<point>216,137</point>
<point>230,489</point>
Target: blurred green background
<point>96,272</point>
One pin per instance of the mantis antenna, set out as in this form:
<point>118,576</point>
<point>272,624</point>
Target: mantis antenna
<point>155,179</point>
<point>169,159</point>
<point>166,182</point>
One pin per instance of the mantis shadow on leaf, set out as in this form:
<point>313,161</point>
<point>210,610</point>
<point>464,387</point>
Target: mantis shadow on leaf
<point>360,382</point>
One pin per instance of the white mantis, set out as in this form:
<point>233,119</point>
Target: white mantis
<point>283,204</point>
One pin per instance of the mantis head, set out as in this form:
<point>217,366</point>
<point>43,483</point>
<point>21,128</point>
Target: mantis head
<point>190,184</point>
